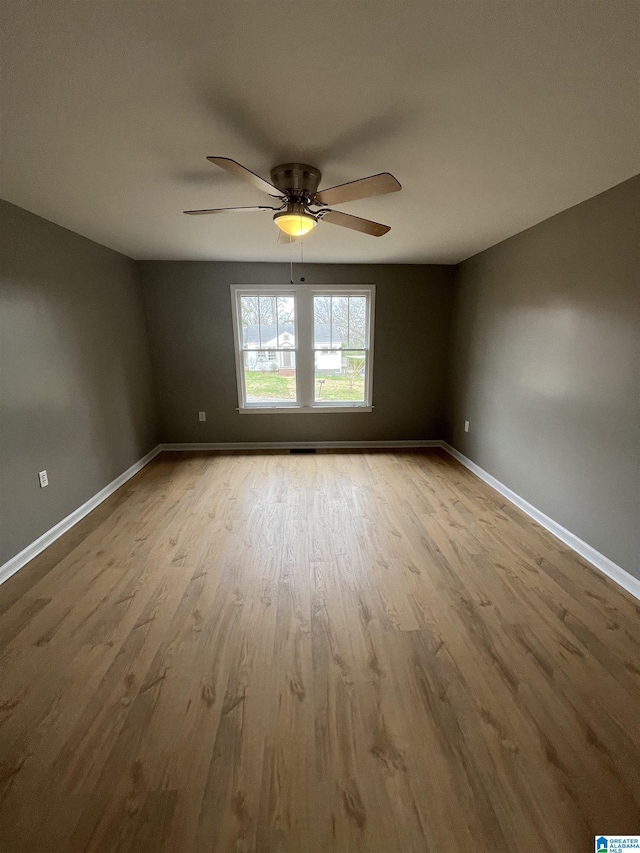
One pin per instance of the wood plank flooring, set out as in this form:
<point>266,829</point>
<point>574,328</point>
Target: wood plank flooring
<point>340,652</point>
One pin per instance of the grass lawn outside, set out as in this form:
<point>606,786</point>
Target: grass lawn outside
<point>262,386</point>
<point>338,388</point>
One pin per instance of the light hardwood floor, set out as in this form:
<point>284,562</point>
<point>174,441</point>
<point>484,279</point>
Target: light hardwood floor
<point>339,652</point>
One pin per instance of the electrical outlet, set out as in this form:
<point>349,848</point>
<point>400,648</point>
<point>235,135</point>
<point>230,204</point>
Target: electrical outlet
<point>44,479</point>
<point>466,426</point>
<point>202,416</point>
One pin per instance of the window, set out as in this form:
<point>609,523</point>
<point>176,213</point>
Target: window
<point>304,348</point>
<point>267,335</point>
<point>340,353</point>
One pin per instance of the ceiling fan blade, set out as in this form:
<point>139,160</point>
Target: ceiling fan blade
<point>228,210</point>
<point>245,174</point>
<point>335,217</point>
<point>364,188</point>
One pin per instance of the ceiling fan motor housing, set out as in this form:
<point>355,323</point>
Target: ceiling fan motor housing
<point>298,182</point>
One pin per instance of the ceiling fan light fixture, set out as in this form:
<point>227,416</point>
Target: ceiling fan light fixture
<point>295,185</point>
<point>295,220</point>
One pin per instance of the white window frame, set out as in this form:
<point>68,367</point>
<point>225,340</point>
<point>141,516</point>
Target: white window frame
<point>304,353</point>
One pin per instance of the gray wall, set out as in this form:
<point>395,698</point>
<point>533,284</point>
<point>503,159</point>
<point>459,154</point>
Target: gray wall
<point>545,366</point>
<point>189,314</point>
<point>75,381</point>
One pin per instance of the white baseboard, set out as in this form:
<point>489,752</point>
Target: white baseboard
<point>604,564</point>
<point>299,445</point>
<point>15,563</point>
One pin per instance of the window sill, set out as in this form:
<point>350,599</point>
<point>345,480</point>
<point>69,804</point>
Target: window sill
<point>303,410</point>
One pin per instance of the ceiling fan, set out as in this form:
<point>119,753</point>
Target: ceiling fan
<point>295,186</point>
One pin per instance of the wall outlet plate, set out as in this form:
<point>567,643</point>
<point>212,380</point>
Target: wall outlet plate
<point>44,479</point>
<point>202,416</point>
<point>466,426</point>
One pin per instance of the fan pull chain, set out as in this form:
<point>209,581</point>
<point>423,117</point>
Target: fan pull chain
<point>291,260</point>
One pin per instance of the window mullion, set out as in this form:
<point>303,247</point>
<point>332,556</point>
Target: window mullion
<point>304,347</point>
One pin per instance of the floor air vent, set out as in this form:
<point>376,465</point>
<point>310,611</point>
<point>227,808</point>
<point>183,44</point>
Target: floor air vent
<point>302,450</point>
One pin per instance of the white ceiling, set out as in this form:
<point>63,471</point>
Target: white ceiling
<point>493,116</point>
